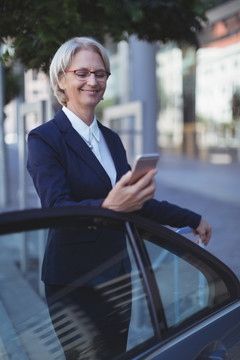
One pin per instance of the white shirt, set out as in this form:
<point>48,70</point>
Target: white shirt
<point>94,138</point>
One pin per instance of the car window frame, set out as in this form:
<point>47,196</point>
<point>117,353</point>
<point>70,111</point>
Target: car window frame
<point>171,243</point>
<point>148,280</point>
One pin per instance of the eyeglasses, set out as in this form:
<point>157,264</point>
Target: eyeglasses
<point>84,74</point>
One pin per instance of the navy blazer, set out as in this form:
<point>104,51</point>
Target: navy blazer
<point>65,172</point>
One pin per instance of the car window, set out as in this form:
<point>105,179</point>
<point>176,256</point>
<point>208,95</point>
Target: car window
<point>189,286</point>
<point>26,328</point>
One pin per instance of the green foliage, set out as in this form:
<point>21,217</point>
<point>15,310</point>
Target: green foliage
<point>12,85</point>
<point>37,28</point>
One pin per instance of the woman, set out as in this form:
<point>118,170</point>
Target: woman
<point>76,161</point>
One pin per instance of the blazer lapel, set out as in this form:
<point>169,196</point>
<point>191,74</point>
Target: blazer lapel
<point>78,145</point>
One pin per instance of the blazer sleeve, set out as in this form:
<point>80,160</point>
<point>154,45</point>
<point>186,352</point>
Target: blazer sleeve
<point>169,214</point>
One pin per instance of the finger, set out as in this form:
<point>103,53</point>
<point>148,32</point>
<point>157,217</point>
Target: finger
<point>208,237</point>
<point>124,179</point>
<point>205,238</point>
<point>208,234</point>
<point>146,189</point>
<point>199,241</point>
<point>146,180</point>
<point>150,174</point>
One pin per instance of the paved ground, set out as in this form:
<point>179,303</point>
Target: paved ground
<point>212,190</point>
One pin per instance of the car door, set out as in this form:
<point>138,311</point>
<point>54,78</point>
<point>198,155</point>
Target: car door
<point>199,296</point>
<point>185,303</point>
<point>26,331</point>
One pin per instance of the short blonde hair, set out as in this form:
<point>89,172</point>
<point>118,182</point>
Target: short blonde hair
<point>63,58</point>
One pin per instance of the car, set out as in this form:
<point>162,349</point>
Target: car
<point>185,302</point>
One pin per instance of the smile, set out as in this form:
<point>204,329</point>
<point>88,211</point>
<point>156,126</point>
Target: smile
<point>93,92</point>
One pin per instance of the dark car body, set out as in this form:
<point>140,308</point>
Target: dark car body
<point>185,302</point>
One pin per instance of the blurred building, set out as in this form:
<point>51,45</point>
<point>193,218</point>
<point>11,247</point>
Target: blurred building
<point>216,68</point>
<point>35,88</point>
<point>218,80</point>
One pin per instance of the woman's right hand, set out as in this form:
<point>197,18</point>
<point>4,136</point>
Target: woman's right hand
<point>128,198</point>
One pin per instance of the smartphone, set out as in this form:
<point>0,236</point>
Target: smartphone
<point>142,165</point>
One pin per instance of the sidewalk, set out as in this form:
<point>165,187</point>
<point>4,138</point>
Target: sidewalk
<point>212,190</point>
<point>218,181</point>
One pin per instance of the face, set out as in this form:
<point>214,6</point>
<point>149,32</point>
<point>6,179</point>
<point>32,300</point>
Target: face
<point>88,93</point>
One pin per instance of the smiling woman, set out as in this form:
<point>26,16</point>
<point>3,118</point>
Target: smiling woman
<point>66,60</point>
<point>83,96</point>
<point>76,161</point>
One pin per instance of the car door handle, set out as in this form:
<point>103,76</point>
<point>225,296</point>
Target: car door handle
<point>215,351</point>
<point>217,355</point>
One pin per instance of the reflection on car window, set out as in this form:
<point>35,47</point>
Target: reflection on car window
<point>187,286</point>
<point>26,327</point>
<point>140,326</point>
<point>184,290</point>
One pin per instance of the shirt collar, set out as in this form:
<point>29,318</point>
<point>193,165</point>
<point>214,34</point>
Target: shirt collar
<point>83,129</point>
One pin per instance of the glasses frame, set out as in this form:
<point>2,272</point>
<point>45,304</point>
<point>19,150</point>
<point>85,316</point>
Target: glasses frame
<point>89,74</point>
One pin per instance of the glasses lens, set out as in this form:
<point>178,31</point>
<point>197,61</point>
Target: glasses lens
<point>101,75</point>
<point>83,75</point>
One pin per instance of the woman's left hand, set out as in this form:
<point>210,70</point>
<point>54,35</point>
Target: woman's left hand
<point>204,230</point>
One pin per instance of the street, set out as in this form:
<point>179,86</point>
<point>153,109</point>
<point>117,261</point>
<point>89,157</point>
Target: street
<point>211,190</point>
